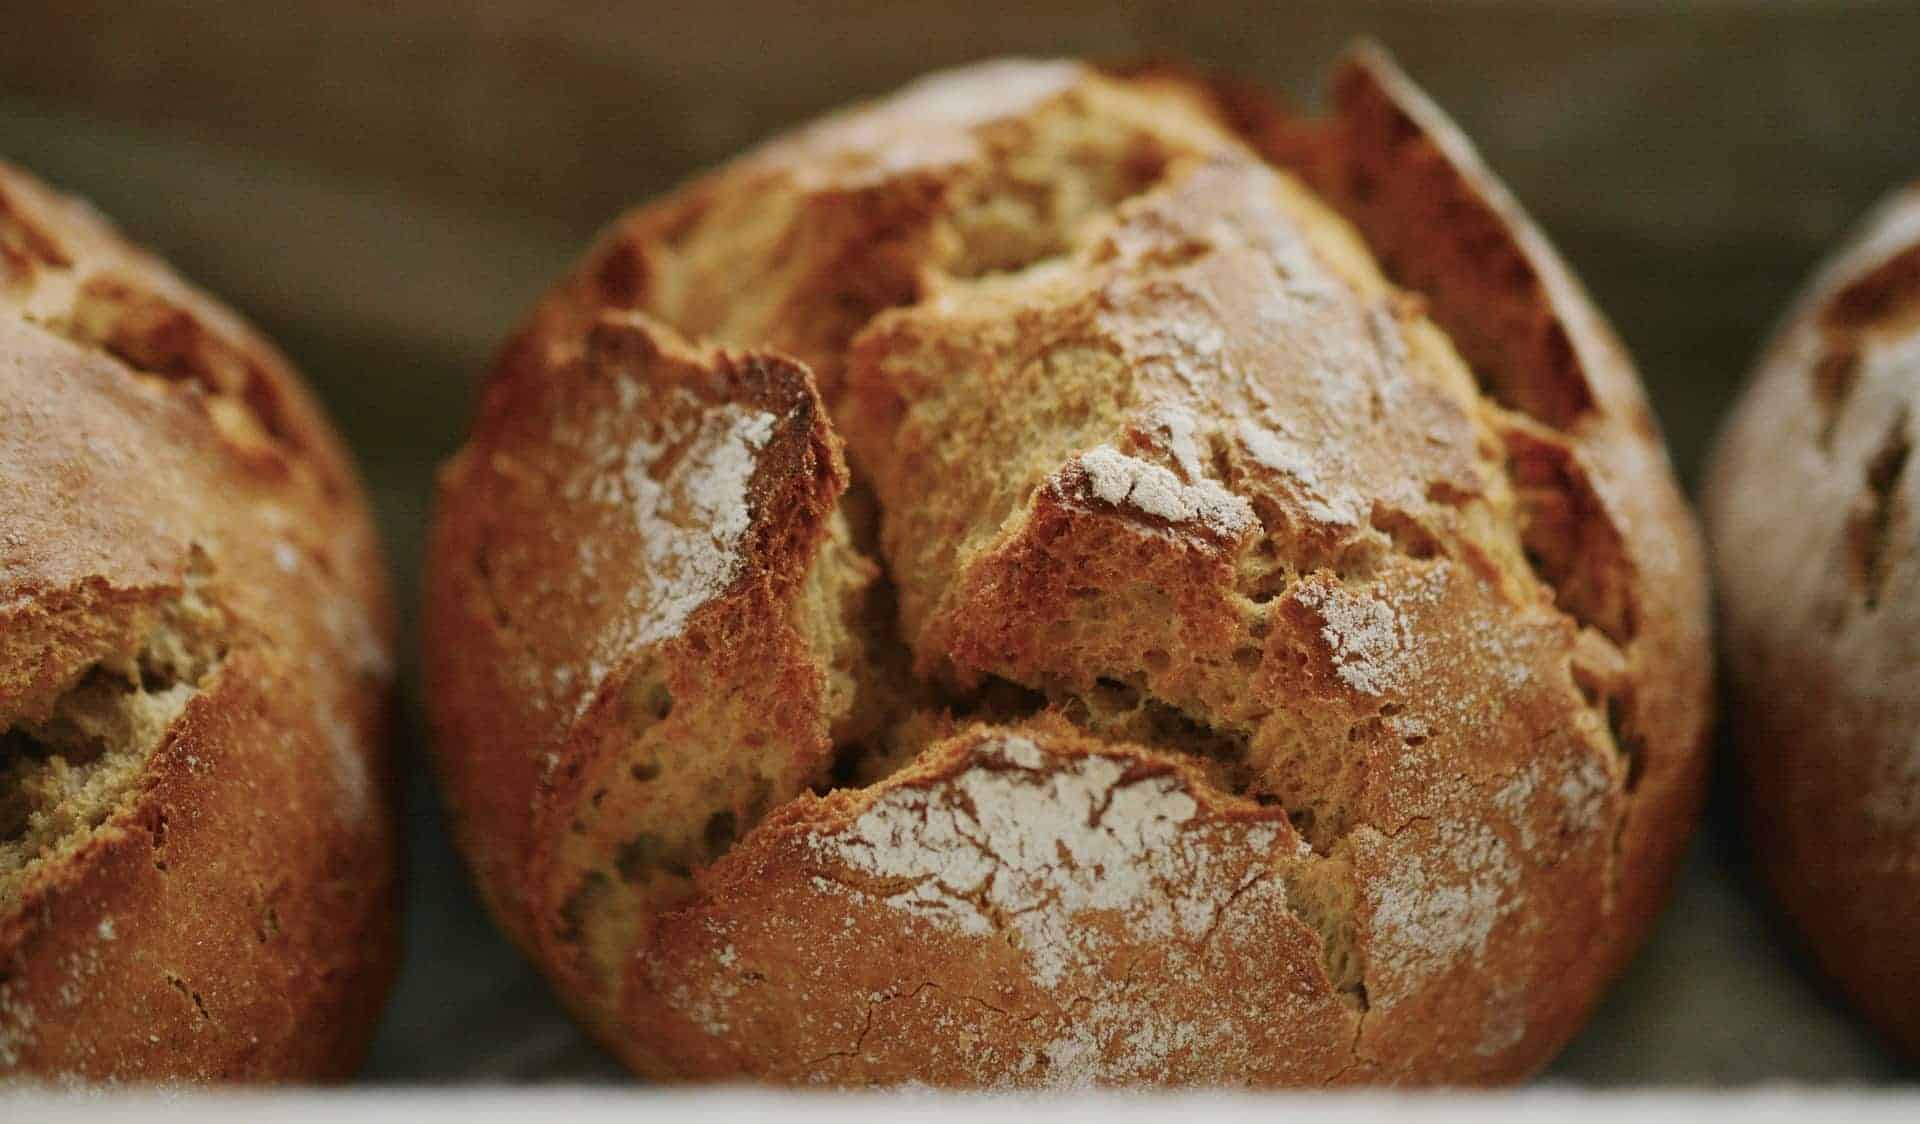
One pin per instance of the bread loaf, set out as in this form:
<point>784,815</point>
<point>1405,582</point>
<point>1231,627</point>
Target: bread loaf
<point>1071,576</point>
<point>1812,509</point>
<point>196,852</point>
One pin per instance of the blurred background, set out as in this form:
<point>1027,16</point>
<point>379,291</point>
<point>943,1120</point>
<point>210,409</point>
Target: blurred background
<point>385,187</point>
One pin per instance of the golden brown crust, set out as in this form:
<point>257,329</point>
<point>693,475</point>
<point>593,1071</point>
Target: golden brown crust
<point>226,912</point>
<point>68,271</point>
<point>709,477</point>
<point>1811,505</point>
<point>1179,493</point>
<point>825,948</point>
<point>1446,227</point>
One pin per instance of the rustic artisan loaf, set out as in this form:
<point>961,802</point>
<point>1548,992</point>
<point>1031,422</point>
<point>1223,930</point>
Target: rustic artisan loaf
<point>196,856</point>
<point>1812,508</point>
<point>1251,634</point>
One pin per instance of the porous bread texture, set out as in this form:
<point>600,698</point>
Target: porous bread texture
<point>67,765</point>
<point>1212,682</point>
<point>196,859</point>
<point>1811,503</point>
<point>713,475</point>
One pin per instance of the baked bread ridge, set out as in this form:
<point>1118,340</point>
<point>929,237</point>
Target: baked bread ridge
<point>1063,317</point>
<point>1577,421</point>
<point>197,876</point>
<point>754,552</point>
<point>1810,505</point>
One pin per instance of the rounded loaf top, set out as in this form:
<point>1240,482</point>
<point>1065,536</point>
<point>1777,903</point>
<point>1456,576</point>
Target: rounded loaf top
<point>1811,504</point>
<point>196,856</point>
<point>1073,576</point>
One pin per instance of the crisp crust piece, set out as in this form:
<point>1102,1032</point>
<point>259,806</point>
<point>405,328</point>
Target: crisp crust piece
<point>1242,610</point>
<point>688,494</point>
<point>1811,505</point>
<point>1608,527</point>
<point>197,874</point>
<point>1068,912</point>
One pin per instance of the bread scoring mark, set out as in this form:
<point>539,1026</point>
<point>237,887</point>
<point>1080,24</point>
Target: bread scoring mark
<point>1878,297</point>
<point>27,246</point>
<point>1126,713</point>
<point>1871,522</point>
<point>1368,642</point>
<point>1834,375</point>
<point>1442,226</point>
<point>1878,302</point>
<point>1571,540</point>
<point>65,770</point>
<point>1014,211</point>
<point>70,767</point>
<point>96,291</point>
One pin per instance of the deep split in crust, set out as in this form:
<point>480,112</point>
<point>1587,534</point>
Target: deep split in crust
<point>1158,477</point>
<point>196,848</point>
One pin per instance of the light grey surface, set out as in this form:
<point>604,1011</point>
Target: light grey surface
<point>387,232</point>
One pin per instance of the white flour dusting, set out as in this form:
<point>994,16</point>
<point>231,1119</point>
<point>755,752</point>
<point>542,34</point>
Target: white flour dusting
<point>1126,1036</point>
<point>1179,427</point>
<point>1324,500</point>
<point>1114,478</point>
<point>1505,1025</point>
<point>1364,634</point>
<point>693,523</point>
<point>1080,867</point>
<point>690,524</point>
<point>1437,907</point>
<point>1583,792</point>
<point>1035,844</point>
<point>17,1019</point>
<point>1169,339</point>
<point>1580,789</point>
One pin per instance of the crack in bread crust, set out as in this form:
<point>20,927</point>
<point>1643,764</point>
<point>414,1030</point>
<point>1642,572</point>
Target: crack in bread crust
<point>1135,410</point>
<point>72,761</point>
<point>64,269</point>
<point>1063,854</point>
<point>196,855</point>
<point>1811,502</point>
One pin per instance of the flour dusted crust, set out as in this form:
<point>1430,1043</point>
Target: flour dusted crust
<point>196,854</point>
<point>1250,634</point>
<point>1812,503</point>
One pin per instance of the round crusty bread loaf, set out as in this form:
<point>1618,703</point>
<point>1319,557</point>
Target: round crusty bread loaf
<point>1254,636</point>
<point>1812,508</point>
<point>196,855</point>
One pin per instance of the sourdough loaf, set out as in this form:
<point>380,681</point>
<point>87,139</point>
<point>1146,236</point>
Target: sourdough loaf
<point>196,854</point>
<point>1812,509</point>
<point>1072,576</point>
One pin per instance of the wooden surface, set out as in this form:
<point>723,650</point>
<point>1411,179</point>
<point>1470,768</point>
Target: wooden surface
<point>385,188</point>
